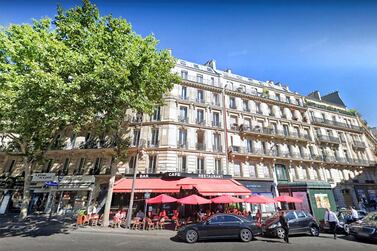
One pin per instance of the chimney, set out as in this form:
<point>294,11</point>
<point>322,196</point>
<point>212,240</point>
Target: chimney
<point>228,70</point>
<point>170,51</point>
<point>211,63</point>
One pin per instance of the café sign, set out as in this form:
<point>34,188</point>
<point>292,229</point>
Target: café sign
<point>43,177</point>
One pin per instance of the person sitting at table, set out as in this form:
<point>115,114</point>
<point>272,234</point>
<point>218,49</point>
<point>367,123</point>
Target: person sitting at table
<point>117,219</point>
<point>163,214</point>
<point>140,214</point>
<point>175,215</point>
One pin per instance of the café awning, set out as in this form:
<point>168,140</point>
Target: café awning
<point>206,187</point>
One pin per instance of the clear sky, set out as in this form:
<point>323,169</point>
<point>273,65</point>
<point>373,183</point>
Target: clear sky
<point>308,45</point>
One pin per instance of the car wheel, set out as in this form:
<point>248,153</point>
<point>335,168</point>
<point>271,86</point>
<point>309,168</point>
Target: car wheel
<point>246,235</point>
<point>191,236</point>
<point>280,233</point>
<point>314,231</point>
<point>346,229</point>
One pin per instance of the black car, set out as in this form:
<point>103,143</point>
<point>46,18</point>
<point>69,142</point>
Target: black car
<point>220,226</point>
<point>300,222</point>
<point>365,228</point>
<point>345,219</point>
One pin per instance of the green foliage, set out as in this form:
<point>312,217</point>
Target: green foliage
<point>83,73</point>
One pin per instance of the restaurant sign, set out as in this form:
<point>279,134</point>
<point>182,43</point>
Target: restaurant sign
<point>43,177</point>
<point>180,175</point>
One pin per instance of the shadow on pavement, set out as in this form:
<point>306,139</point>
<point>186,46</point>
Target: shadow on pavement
<point>35,226</point>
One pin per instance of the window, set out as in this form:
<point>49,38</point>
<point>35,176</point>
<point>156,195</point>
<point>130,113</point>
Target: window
<point>72,141</point>
<point>154,139</point>
<point>218,168</point>
<point>216,99</point>
<point>182,137</point>
<point>183,92</point>
<point>216,142</point>
<point>217,219</point>
<point>232,102</point>
<point>48,166</point>
<point>281,173</point>
<point>65,167</point>
<point>184,74</point>
<point>81,167</point>
<point>199,78</point>
<point>97,167</point>
<point>290,216</point>
<point>156,114</point>
<point>200,96</point>
<point>136,137</point>
<point>183,114</point>
<point>245,104</point>
<point>230,218</point>
<point>199,116</point>
<point>277,96</point>
<point>152,164</point>
<point>132,164</point>
<point>342,137</point>
<point>212,80</point>
<point>216,119</point>
<point>252,171</point>
<point>11,166</point>
<point>237,169</point>
<point>200,166</point>
<point>249,145</point>
<point>182,164</point>
<point>286,130</point>
<point>300,214</point>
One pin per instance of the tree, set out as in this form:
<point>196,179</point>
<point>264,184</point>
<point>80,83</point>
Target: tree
<point>86,72</point>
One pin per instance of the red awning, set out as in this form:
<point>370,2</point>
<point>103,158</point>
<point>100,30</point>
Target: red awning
<point>206,187</point>
<point>146,186</point>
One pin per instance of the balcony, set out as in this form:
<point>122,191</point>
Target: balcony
<point>216,124</point>
<point>246,109</point>
<point>200,100</point>
<point>273,132</point>
<point>215,103</point>
<point>183,119</point>
<point>200,81</point>
<point>323,121</point>
<point>153,143</point>
<point>217,148</point>
<point>182,145</point>
<point>328,139</point>
<point>358,145</point>
<point>183,97</point>
<point>201,122</point>
<point>200,146</point>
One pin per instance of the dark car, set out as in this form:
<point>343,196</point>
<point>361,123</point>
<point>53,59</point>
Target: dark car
<point>300,222</point>
<point>365,228</point>
<point>220,226</point>
<point>345,219</point>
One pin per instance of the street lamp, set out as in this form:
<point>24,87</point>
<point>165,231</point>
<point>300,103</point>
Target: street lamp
<point>140,146</point>
<point>225,129</point>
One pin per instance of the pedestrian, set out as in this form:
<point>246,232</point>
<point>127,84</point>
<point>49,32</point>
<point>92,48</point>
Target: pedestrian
<point>284,224</point>
<point>354,214</point>
<point>258,217</point>
<point>332,220</point>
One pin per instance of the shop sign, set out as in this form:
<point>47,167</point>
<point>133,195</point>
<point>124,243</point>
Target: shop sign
<point>77,179</point>
<point>147,195</point>
<point>43,177</point>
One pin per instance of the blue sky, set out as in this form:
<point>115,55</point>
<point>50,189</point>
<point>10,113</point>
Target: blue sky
<point>309,45</point>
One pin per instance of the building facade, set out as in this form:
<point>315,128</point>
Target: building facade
<point>270,139</point>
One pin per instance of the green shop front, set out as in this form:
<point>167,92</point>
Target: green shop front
<point>316,196</point>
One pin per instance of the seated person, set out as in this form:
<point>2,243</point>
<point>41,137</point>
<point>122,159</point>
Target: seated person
<point>140,214</point>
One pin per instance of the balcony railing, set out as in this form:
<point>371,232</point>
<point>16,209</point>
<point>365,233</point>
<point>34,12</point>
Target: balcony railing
<point>200,100</point>
<point>182,145</point>
<point>272,131</point>
<point>153,143</point>
<point>183,119</point>
<point>216,124</point>
<point>217,148</point>
<point>200,146</point>
<point>328,139</point>
<point>201,122</point>
<point>359,144</point>
<point>201,81</point>
<point>184,97</point>
<point>334,123</point>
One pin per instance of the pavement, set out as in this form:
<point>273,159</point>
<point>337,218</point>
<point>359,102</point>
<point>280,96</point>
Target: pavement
<point>60,234</point>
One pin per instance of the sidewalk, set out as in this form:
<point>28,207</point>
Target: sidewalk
<point>108,230</point>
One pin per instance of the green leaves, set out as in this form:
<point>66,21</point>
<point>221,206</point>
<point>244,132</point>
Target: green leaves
<point>54,77</point>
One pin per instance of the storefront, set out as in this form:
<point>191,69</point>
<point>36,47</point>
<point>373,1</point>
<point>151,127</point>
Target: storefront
<point>367,195</point>
<point>263,188</point>
<point>11,192</point>
<point>316,196</point>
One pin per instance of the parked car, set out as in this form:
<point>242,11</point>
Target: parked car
<point>300,222</point>
<point>220,226</point>
<point>345,219</point>
<point>365,228</point>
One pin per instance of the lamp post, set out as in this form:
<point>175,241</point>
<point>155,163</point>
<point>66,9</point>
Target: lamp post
<point>140,146</point>
<point>225,129</point>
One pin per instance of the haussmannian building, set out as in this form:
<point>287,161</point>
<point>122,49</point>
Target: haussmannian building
<point>215,123</point>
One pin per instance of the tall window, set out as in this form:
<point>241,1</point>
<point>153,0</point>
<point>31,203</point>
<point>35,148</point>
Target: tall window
<point>48,165</point>
<point>65,167</point>
<point>184,74</point>
<point>136,137</point>
<point>237,169</point>
<point>252,171</point>
<point>154,139</point>
<point>286,130</point>
<point>199,116</point>
<point>216,142</point>
<point>182,137</point>
<point>11,166</point>
<point>200,96</point>
<point>80,170</point>
<point>200,166</point>
<point>277,96</point>
<point>218,167</point>
<point>156,114</point>
<point>216,119</point>
<point>212,81</point>
<point>216,99</point>
<point>183,94</point>
<point>245,105</point>
<point>182,167</point>
<point>281,172</point>
<point>97,166</point>
<point>199,78</point>
<point>132,164</point>
<point>232,102</point>
<point>183,114</point>
<point>152,164</point>
<point>249,145</point>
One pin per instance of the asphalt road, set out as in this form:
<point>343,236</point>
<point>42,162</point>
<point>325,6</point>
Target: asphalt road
<point>101,239</point>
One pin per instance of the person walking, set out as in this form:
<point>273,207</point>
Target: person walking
<point>354,214</point>
<point>332,220</point>
<point>284,224</point>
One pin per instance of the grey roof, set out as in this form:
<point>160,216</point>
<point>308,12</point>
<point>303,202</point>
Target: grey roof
<point>334,98</point>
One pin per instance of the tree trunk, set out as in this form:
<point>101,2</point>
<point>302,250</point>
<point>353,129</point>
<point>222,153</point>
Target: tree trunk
<point>109,197</point>
<point>26,195</point>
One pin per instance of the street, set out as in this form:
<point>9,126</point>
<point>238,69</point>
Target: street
<point>89,238</point>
